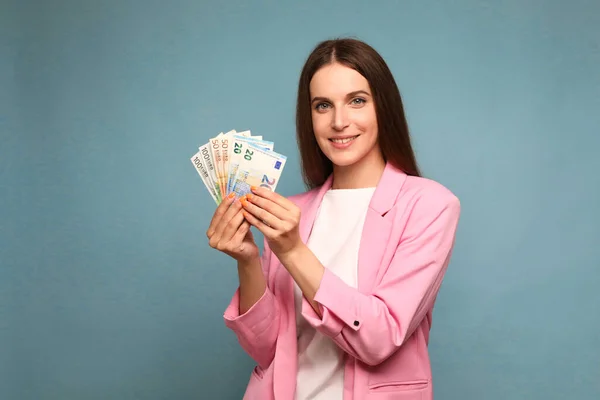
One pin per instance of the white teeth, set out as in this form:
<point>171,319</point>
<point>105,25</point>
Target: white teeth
<point>343,140</point>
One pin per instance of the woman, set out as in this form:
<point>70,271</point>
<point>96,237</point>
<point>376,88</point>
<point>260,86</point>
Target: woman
<point>339,305</point>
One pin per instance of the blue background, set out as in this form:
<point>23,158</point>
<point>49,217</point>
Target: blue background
<point>108,288</point>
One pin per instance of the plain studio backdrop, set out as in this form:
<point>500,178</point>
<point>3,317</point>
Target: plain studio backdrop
<point>108,288</point>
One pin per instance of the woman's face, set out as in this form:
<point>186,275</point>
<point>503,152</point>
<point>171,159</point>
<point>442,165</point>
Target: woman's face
<point>343,116</point>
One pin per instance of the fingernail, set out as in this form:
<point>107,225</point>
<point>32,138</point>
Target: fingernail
<point>231,195</point>
<point>253,188</point>
<point>249,197</point>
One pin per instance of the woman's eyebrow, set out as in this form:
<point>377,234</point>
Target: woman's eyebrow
<point>349,95</point>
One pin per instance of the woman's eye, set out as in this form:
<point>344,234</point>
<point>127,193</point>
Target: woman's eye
<point>320,106</point>
<point>358,101</point>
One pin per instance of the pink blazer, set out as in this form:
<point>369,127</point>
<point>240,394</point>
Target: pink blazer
<point>383,325</point>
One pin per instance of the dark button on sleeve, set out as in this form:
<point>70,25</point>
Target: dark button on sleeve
<point>356,323</point>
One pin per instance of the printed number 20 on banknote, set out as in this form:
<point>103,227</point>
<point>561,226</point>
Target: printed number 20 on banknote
<point>258,167</point>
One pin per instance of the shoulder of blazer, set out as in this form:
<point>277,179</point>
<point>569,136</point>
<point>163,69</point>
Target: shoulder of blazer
<point>425,192</point>
<point>400,195</point>
<point>394,189</point>
<point>420,201</point>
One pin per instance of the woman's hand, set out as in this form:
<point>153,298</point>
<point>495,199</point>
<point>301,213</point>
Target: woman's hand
<point>276,217</point>
<point>230,233</point>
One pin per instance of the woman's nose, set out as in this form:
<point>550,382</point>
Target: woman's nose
<point>339,119</point>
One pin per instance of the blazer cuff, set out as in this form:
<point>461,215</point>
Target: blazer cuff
<point>337,303</point>
<point>256,320</point>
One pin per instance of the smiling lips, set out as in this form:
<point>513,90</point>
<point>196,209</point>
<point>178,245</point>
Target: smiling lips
<point>342,143</point>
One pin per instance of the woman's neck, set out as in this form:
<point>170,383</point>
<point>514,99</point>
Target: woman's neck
<point>365,173</point>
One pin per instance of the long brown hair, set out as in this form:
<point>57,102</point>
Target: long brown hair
<point>393,133</point>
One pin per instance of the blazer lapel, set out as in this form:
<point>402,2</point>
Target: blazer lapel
<point>375,232</point>
<point>377,229</point>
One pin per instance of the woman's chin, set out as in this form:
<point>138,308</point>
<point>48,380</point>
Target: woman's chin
<point>344,160</point>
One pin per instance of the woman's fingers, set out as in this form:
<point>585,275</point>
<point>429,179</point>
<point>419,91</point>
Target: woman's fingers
<point>268,205</point>
<point>233,209</point>
<point>261,214</point>
<point>275,198</point>
<point>237,241</point>
<point>232,227</point>
<point>219,212</point>
<point>277,203</point>
<point>261,226</point>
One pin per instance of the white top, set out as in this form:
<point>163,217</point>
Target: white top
<point>334,240</point>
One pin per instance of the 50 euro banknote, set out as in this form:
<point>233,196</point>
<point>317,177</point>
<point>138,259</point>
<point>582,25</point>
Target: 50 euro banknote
<point>209,160</point>
<point>222,149</point>
<point>219,150</point>
<point>258,167</point>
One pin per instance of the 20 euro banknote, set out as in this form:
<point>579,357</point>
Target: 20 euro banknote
<point>240,149</point>
<point>259,167</point>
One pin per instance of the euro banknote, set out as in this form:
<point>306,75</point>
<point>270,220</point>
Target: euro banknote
<point>240,149</point>
<point>234,161</point>
<point>259,167</point>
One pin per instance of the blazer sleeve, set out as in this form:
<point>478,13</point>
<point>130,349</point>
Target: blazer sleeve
<point>372,327</point>
<point>257,329</point>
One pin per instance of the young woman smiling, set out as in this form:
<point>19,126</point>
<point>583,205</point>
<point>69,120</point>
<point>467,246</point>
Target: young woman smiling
<point>339,305</point>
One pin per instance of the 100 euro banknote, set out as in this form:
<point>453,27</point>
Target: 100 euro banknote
<point>203,162</point>
<point>259,167</point>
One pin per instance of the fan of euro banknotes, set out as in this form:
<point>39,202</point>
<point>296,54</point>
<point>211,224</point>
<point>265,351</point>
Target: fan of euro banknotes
<point>233,162</point>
